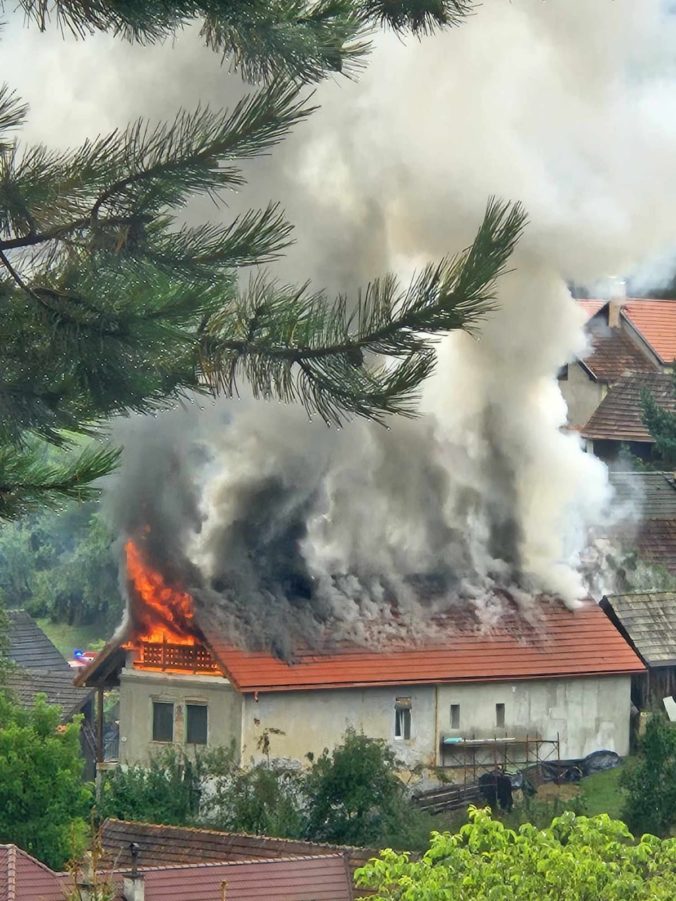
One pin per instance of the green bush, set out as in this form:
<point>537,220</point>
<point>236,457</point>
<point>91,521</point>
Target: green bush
<point>650,780</point>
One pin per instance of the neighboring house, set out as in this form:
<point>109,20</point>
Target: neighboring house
<point>325,877</point>
<point>632,346</point>
<point>23,878</point>
<point>39,668</point>
<point>554,673</point>
<point>618,422</point>
<point>613,355</point>
<point>171,846</point>
<point>649,527</point>
<point>648,622</point>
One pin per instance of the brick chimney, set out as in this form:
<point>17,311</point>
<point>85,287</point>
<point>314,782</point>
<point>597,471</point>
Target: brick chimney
<point>617,295</point>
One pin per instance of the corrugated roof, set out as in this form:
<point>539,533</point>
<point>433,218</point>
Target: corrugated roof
<point>618,416</point>
<point>23,878</point>
<point>58,686</point>
<point>655,320</point>
<point>614,355</point>
<point>324,878</point>
<point>30,647</point>
<point>649,620</point>
<point>557,642</point>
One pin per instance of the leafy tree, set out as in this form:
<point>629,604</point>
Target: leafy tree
<point>575,859</point>
<point>650,780</point>
<point>43,802</point>
<point>61,565</point>
<point>109,304</point>
<point>354,795</point>
<point>167,790</point>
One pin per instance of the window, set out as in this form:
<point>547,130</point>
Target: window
<point>455,716</point>
<point>163,721</point>
<point>196,724</point>
<point>500,716</point>
<point>562,374</point>
<point>402,718</point>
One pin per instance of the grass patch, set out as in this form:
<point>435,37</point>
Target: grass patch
<point>67,638</point>
<point>601,793</point>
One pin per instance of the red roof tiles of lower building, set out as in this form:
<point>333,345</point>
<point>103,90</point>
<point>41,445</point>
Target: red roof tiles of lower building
<point>619,415</point>
<point>23,878</point>
<point>655,321</point>
<point>554,642</point>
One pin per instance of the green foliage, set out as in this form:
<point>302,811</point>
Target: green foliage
<point>574,859</point>
<point>354,795</point>
<point>167,790</point>
<point>43,802</point>
<point>661,423</point>
<point>61,566</point>
<point>650,780</point>
<point>304,39</point>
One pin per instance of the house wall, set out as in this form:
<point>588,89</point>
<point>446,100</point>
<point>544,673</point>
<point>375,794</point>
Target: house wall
<point>588,713</point>
<point>138,690</point>
<point>314,720</point>
<point>581,394</point>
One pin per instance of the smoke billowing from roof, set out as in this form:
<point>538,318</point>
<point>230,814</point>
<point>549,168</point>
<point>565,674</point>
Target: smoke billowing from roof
<point>285,527</point>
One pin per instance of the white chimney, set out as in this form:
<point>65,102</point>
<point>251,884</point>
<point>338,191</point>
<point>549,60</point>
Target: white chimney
<point>617,296</point>
<point>133,887</point>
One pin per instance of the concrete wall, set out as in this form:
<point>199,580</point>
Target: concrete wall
<point>581,394</point>
<point>139,689</point>
<point>314,720</point>
<point>588,713</point>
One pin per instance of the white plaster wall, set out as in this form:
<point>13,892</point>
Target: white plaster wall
<point>587,713</point>
<point>581,394</point>
<point>138,690</point>
<point>314,720</point>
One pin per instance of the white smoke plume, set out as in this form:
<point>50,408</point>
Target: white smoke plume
<point>567,106</point>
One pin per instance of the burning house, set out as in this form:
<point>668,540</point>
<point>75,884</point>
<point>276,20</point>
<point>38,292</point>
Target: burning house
<point>557,675</point>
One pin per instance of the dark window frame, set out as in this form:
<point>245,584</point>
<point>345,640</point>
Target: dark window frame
<point>455,716</point>
<point>500,716</point>
<point>196,705</point>
<point>157,724</point>
<point>403,719</point>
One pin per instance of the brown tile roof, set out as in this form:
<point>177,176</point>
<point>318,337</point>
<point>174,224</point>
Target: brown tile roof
<point>23,878</point>
<point>614,355</point>
<point>318,878</point>
<point>30,647</point>
<point>655,321</point>
<point>618,416</point>
<point>649,620</point>
<point>171,845</point>
<point>57,686</point>
<point>656,543</point>
<point>591,307</point>
<point>555,642</point>
<point>652,493</point>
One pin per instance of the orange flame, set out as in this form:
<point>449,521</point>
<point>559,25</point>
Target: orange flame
<point>163,614</point>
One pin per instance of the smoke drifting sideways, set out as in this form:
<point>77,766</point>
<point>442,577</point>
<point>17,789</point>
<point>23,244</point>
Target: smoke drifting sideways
<point>291,530</point>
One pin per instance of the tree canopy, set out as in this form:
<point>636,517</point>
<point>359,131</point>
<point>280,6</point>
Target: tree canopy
<point>110,303</point>
<point>576,858</point>
<point>43,802</point>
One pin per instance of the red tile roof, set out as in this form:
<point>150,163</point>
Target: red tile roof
<point>591,307</point>
<point>559,643</point>
<point>614,355</point>
<point>23,878</point>
<point>324,878</point>
<point>655,320</point>
<point>618,416</point>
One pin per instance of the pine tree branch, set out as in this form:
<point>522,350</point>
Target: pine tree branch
<point>421,17</point>
<point>28,481</point>
<point>271,330</point>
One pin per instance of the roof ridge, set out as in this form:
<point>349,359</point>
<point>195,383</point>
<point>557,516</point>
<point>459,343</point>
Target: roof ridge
<point>236,863</point>
<point>222,832</point>
<point>11,873</point>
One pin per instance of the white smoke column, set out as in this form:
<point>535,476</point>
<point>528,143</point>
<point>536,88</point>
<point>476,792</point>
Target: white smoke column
<point>567,106</point>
